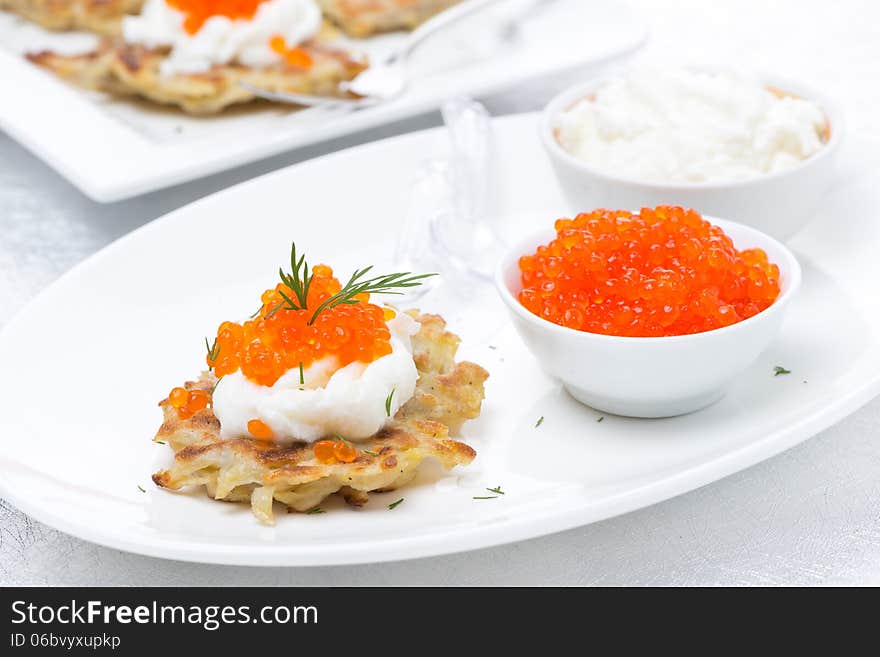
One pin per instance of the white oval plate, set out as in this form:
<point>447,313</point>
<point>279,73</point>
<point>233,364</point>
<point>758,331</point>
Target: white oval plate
<point>84,365</point>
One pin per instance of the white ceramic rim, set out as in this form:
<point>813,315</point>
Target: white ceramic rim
<point>574,93</point>
<point>789,270</point>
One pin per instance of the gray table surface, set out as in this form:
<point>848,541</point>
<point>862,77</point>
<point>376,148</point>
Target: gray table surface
<point>807,517</point>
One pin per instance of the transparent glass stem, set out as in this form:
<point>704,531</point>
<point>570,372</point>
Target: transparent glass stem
<point>447,228</point>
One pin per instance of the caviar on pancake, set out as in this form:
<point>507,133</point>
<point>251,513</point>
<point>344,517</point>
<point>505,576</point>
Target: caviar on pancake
<point>197,12</point>
<point>339,354</point>
<point>189,402</point>
<point>274,342</point>
<point>661,272</point>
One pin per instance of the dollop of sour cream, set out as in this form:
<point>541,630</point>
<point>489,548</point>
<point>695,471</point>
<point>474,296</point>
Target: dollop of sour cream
<point>222,40</point>
<point>349,401</point>
<point>675,125</point>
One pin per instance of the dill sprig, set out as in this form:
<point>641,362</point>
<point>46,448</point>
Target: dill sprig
<point>387,284</point>
<point>388,402</point>
<point>300,279</point>
<point>780,370</point>
<point>213,349</point>
<point>315,510</point>
<point>497,490</point>
<point>275,310</point>
<point>394,505</point>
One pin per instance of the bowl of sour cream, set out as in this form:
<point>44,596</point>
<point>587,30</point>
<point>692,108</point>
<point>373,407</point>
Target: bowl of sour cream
<point>760,151</point>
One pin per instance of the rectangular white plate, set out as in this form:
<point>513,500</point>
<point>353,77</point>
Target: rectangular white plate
<point>114,149</point>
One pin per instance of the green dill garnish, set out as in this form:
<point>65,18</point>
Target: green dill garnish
<point>371,453</point>
<point>386,284</point>
<point>394,505</point>
<point>214,387</point>
<point>600,418</point>
<point>274,310</point>
<point>256,313</point>
<point>388,402</point>
<point>302,376</point>
<point>497,490</point>
<point>159,442</point>
<point>141,489</point>
<point>315,510</point>
<point>539,422</point>
<point>485,497</point>
<point>342,438</point>
<point>213,349</point>
<point>299,280</point>
<point>780,370</point>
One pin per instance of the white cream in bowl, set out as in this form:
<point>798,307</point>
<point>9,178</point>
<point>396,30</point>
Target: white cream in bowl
<point>676,125</point>
<point>760,167</point>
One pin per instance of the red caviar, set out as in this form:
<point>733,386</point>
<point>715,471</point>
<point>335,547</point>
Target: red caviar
<point>277,340</point>
<point>178,397</point>
<point>662,272</point>
<point>188,402</point>
<point>298,57</point>
<point>197,12</point>
<point>344,451</point>
<point>333,451</point>
<point>324,451</point>
<point>260,430</point>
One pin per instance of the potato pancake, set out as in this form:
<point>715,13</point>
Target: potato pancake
<point>248,470</point>
<point>361,18</point>
<point>126,70</point>
<point>101,16</point>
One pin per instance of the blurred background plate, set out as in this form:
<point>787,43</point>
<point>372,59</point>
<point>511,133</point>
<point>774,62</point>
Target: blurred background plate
<point>113,149</point>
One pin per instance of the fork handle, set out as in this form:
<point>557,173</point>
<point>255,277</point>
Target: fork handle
<point>437,23</point>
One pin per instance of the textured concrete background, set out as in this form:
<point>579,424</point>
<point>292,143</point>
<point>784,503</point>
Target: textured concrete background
<point>809,516</point>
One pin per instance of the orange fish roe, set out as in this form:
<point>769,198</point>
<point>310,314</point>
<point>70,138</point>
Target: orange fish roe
<point>188,402</point>
<point>333,451</point>
<point>260,430</point>
<point>344,451</point>
<point>197,12</point>
<point>324,451</point>
<point>277,340</point>
<point>178,397</point>
<point>665,271</point>
<point>298,57</point>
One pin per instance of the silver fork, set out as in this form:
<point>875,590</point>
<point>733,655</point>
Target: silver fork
<point>386,79</point>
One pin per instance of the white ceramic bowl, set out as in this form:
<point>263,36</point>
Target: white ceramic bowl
<point>778,204</point>
<point>649,377</point>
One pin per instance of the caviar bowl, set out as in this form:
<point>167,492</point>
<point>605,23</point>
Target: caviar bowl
<point>649,377</point>
<point>779,203</point>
